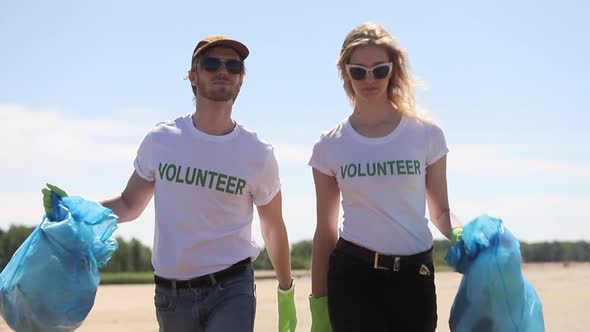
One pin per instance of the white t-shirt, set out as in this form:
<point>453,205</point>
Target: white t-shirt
<point>383,183</point>
<point>205,188</point>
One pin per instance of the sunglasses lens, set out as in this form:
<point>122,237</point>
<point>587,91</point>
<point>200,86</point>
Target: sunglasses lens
<point>357,73</point>
<point>211,64</point>
<point>381,72</point>
<point>234,66</point>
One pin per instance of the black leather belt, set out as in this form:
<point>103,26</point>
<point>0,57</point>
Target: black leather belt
<point>207,280</point>
<point>380,261</point>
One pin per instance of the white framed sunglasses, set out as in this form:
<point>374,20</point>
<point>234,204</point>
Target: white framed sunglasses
<point>379,72</point>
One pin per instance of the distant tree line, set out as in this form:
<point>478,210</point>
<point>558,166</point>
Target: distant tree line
<point>300,257</point>
<point>133,256</point>
<point>531,253</point>
<point>556,251</point>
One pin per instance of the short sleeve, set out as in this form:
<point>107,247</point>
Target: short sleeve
<point>269,183</point>
<point>144,160</point>
<point>437,145</point>
<point>319,159</point>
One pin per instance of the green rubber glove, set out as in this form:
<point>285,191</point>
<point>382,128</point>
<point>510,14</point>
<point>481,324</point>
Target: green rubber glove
<point>287,312</point>
<point>47,196</point>
<point>456,234</point>
<point>320,319</point>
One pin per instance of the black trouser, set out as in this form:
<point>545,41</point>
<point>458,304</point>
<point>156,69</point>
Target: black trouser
<point>364,298</point>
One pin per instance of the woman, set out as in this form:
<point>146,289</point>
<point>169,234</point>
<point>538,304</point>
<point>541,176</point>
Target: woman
<point>386,161</point>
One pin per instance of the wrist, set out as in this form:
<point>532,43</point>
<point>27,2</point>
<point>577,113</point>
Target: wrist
<point>286,287</point>
<point>456,234</point>
<point>317,296</point>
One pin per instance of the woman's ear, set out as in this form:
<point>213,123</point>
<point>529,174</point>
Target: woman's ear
<point>344,74</point>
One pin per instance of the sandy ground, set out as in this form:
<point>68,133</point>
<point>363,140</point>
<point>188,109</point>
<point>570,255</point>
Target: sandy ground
<point>564,292</point>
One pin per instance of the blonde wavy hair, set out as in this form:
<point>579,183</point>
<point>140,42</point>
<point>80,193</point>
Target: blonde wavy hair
<point>400,90</point>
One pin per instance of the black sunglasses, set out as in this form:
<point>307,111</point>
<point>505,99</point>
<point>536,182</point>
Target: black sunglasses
<point>212,65</point>
<point>379,72</point>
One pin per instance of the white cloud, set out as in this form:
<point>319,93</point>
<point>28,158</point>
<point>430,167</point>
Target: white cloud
<point>533,217</point>
<point>39,143</point>
<point>557,213</point>
<point>294,154</point>
<point>530,206</point>
<point>491,160</point>
<point>49,139</point>
<point>46,143</point>
<point>21,208</point>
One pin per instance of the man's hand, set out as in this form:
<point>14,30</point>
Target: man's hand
<point>287,313</point>
<point>320,319</point>
<point>47,196</point>
<point>456,234</point>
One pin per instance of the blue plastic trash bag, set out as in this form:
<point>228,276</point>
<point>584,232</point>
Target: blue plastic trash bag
<point>51,280</point>
<point>493,296</point>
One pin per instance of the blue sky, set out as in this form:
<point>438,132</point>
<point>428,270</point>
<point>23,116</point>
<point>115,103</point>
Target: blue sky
<point>81,83</point>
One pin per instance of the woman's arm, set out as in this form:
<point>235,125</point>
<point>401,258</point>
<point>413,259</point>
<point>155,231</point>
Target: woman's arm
<point>326,233</point>
<point>437,198</point>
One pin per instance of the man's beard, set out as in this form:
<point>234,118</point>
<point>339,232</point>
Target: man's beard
<point>218,93</point>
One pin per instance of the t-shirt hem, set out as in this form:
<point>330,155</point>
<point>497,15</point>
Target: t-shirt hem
<point>141,173</point>
<point>323,170</point>
<point>438,156</point>
<point>268,198</point>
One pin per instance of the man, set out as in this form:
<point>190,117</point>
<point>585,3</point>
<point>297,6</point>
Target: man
<point>206,172</point>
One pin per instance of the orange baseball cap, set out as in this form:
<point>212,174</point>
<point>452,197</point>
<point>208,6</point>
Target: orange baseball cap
<point>221,40</point>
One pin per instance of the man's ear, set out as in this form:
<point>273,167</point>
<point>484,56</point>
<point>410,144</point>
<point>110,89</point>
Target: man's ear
<point>193,77</point>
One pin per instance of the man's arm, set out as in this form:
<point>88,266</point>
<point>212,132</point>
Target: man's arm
<point>437,198</point>
<point>132,201</point>
<point>275,238</point>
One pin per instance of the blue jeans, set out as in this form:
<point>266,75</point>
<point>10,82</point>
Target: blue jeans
<point>230,305</point>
